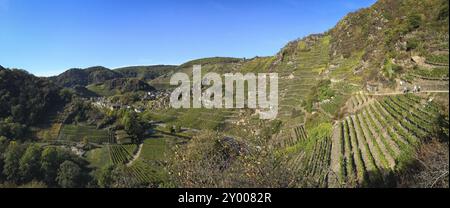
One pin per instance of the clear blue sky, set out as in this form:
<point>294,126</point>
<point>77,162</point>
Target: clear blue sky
<point>46,37</point>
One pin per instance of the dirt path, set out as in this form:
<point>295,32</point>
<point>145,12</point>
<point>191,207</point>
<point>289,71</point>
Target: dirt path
<point>401,93</point>
<point>135,156</point>
<point>336,153</point>
<point>397,93</point>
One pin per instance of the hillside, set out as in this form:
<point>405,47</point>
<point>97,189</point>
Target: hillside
<point>84,77</point>
<point>331,87</point>
<point>145,72</point>
<point>121,85</point>
<point>25,100</point>
<point>98,74</point>
<point>360,105</point>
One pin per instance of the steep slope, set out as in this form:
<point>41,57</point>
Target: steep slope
<point>391,32</point>
<point>320,73</point>
<point>25,101</point>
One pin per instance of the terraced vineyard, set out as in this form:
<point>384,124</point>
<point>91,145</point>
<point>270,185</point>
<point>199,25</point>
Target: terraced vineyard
<point>139,173</point>
<point>298,75</point>
<point>437,73</point>
<point>290,137</point>
<point>316,164</point>
<point>358,101</point>
<point>74,133</point>
<point>121,154</point>
<point>312,163</point>
<point>148,161</point>
<point>379,139</point>
<point>205,119</point>
<point>50,133</point>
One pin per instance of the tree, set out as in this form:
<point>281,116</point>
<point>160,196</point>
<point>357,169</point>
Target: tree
<point>66,94</point>
<point>443,11</point>
<point>49,164</point>
<point>18,112</point>
<point>414,22</point>
<point>3,147</point>
<point>69,175</point>
<point>12,159</point>
<point>390,70</point>
<point>412,44</point>
<point>132,125</point>
<point>30,164</point>
<point>105,177</point>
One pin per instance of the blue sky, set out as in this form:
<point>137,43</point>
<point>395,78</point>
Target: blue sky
<point>46,37</point>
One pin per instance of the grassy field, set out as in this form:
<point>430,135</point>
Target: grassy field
<point>155,149</point>
<point>50,133</point>
<point>76,133</point>
<point>98,157</point>
<point>100,90</point>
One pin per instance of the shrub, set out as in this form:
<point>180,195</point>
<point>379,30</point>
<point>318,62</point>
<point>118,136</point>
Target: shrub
<point>412,44</point>
<point>414,22</point>
<point>443,12</point>
<point>390,70</point>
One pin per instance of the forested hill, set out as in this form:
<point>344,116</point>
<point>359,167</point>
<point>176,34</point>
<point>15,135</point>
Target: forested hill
<point>24,96</point>
<point>98,74</point>
<point>84,77</point>
<point>24,100</point>
<point>145,72</point>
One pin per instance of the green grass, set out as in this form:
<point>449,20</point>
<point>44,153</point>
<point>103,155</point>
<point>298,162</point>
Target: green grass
<point>149,168</point>
<point>98,157</point>
<point>437,59</point>
<point>50,133</point>
<point>76,133</point>
<point>434,73</point>
<point>101,90</point>
<point>335,105</point>
<point>346,67</point>
<point>201,118</point>
<point>123,137</point>
<point>154,149</point>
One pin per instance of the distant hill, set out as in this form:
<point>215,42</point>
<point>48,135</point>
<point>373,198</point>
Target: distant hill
<point>145,72</point>
<point>118,86</point>
<point>97,75</point>
<point>212,60</point>
<point>127,85</point>
<point>84,77</point>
